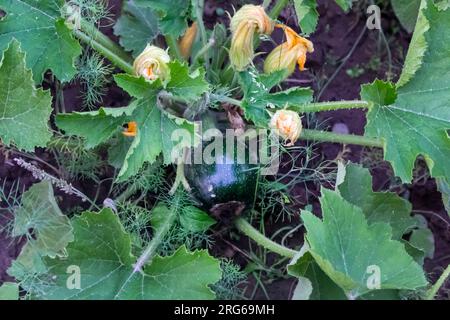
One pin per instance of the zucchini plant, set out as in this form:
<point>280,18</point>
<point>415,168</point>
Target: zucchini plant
<point>148,237</point>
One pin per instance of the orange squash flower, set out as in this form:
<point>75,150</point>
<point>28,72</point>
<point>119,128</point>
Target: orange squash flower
<point>289,53</point>
<point>130,130</point>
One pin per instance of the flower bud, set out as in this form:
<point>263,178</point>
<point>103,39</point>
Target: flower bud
<point>287,124</point>
<point>152,63</point>
<point>289,53</point>
<point>187,41</point>
<point>247,21</point>
<point>131,129</point>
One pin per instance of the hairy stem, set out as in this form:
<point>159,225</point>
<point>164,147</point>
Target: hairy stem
<point>330,106</point>
<point>326,136</point>
<point>247,229</point>
<point>104,51</point>
<point>158,237</point>
<point>173,47</point>
<point>92,31</point>
<point>277,8</point>
<point>435,288</point>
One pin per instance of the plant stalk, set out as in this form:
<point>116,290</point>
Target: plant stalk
<point>90,30</point>
<point>247,229</point>
<point>106,52</point>
<point>330,106</point>
<point>435,288</point>
<point>173,47</point>
<point>326,136</point>
<point>277,8</point>
<point>158,237</point>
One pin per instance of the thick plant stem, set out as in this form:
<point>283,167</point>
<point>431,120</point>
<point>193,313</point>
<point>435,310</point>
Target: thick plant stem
<point>98,36</point>
<point>326,136</point>
<point>107,53</point>
<point>158,237</point>
<point>173,47</point>
<point>277,8</point>
<point>247,229</point>
<point>435,288</point>
<point>330,106</point>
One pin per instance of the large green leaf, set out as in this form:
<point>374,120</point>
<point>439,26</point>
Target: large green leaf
<point>102,254</point>
<point>9,291</point>
<point>136,27</point>
<point>95,126</point>
<point>257,96</point>
<point>24,110</point>
<point>414,120</point>
<point>417,47</point>
<point>406,11</point>
<point>43,35</point>
<point>385,207</point>
<point>156,129</point>
<point>172,15</point>
<point>347,248</point>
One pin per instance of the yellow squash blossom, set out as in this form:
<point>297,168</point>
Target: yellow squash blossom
<point>187,40</point>
<point>289,53</point>
<point>247,21</point>
<point>287,124</point>
<point>152,63</point>
<point>131,129</point>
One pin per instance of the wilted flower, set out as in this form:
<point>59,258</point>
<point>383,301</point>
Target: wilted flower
<point>287,54</point>
<point>247,21</point>
<point>287,124</point>
<point>187,40</point>
<point>131,129</point>
<point>152,63</point>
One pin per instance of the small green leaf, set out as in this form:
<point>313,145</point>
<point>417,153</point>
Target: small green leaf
<point>195,220</point>
<point>136,27</point>
<point>307,15</point>
<point>185,85</point>
<point>345,4</point>
<point>347,249</point>
<point>257,96</point>
<point>43,35</point>
<point>385,207</point>
<point>9,291</point>
<point>102,253</point>
<point>24,110</point>
<point>172,14</point>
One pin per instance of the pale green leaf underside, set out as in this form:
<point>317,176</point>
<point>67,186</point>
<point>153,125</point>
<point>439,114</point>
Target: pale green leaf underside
<point>417,122</point>
<point>345,246</point>
<point>102,251</point>
<point>43,36</point>
<point>24,110</point>
<point>39,212</point>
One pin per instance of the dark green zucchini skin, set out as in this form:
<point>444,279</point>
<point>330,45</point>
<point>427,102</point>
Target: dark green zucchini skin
<point>219,183</point>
